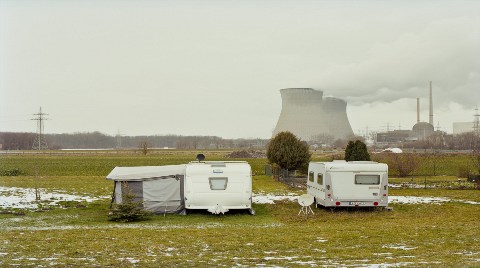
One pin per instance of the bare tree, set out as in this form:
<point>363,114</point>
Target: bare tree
<point>476,158</point>
<point>144,147</point>
<point>404,163</point>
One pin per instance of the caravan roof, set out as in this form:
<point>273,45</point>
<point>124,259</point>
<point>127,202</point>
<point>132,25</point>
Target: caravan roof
<point>216,163</point>
<point>145,172</point>
<point>354,166</point>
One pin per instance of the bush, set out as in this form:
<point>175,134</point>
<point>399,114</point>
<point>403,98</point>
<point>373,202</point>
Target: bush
<point>403,163</point>
<point>463,171</point>
<point>288,152</point>
<point>475,179</point>
<point>356,151</point>
<point>12,172</point>
<point>128,210</point>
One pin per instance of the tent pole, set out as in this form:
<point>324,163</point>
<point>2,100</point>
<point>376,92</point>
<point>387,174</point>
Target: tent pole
<point>113,194</point>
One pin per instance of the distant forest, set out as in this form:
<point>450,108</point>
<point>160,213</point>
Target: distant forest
<point>97,140</point>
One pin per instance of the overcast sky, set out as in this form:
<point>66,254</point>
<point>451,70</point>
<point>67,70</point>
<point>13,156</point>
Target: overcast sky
<point>216,67</point>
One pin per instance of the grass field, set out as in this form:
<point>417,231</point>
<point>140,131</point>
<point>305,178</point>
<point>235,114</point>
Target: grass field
<point>432,234</point>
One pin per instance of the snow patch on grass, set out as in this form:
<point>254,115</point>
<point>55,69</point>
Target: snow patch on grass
<point>466,253</point>
<point>262,198</point>
<point>133,226</point>
<point>417,200</point>
<point>402,247</point>
<point>131,260</point>
<point>281,258</point>
<point>396,264</point>
<point>25,198</point>
<point>425,200</point>
<point>321,240</point>
<point>311,263</point>
<point>469,202</point>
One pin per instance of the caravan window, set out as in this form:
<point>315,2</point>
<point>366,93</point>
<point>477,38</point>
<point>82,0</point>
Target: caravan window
<point>218,183</point>
<point>320,178</point>
<point>311,176</point>
<point>367,179</point>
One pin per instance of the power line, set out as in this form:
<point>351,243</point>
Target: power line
<point>40,143</point>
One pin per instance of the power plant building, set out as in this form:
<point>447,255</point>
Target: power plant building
<point>307,114</point>
<point>420,131</point>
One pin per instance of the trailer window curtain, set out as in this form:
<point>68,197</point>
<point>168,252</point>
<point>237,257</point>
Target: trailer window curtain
<point>218,183</point>
<point>367,179</point>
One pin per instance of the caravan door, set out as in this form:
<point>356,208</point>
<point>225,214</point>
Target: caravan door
<point>316,182</point>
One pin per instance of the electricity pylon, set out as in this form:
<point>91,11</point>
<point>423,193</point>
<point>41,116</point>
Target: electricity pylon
<point>39,143</point>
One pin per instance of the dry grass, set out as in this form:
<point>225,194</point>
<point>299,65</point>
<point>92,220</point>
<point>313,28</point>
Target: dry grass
<point>444,234</point>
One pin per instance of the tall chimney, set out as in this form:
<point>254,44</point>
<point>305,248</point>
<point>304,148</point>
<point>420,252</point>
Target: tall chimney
<point>418,110</point>
<point>431,106</point>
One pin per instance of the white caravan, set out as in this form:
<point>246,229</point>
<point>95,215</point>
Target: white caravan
<point>218,186</point>
<point>215,186</point>
<point>348,184</point>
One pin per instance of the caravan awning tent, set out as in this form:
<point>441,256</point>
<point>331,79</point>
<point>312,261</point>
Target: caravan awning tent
<point>160,188</point>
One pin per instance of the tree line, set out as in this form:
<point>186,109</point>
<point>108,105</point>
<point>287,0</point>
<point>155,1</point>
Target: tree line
<point>438,140</point>
<point>98,140</point>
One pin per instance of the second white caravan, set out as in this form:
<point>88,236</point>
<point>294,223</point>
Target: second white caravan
<point>218,186</point>
<point>348,184</point>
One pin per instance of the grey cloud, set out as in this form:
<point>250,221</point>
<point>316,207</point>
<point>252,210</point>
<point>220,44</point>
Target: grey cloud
<point>446,52</point>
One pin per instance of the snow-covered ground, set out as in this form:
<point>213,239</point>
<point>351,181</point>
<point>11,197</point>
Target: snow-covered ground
<point>262,198</point>
<point>425,200</point>
<point>25,198</point>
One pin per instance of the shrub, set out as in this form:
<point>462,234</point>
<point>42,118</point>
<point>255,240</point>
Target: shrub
<point>463,171</point>
<point>128,210</point>
<point>12,172</point>
<point>356,151</point>
<point>403,163</point>
<point>288,152</point>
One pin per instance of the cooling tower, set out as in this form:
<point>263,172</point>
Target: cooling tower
<point>307,114</point>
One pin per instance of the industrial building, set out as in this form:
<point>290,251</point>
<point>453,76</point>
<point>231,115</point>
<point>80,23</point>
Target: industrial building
<point>306,113</point>
<point>420,131</point>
